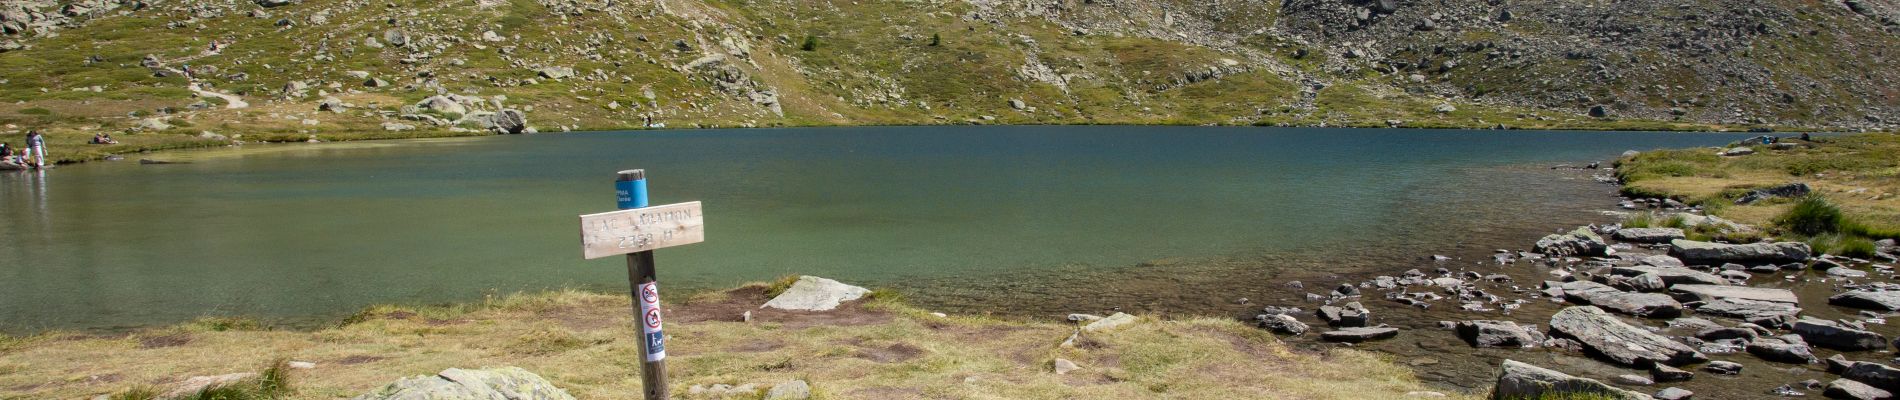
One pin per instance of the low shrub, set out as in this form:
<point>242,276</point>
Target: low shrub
<point>1812,216</point>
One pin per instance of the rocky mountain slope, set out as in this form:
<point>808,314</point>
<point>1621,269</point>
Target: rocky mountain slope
<point>287,69</point>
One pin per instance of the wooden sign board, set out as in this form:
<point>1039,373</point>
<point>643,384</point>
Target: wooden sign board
<point>641,229</point>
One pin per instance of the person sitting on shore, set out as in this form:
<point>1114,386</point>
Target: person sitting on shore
<point>103,138</point>
<point>6,153</point>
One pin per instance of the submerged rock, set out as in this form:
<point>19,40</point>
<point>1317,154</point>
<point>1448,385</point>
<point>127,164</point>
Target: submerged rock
<point>1356,335</point>
<point>1524,381</point>
<point>1611,338</point>
<point>509,383</point>
<point>811,293</point>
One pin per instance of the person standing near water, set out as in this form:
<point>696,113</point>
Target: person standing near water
<point>35,149</point>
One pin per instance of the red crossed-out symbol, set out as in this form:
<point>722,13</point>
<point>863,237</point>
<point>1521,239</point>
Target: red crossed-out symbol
<point>650,293</point>
<point>653,318</point>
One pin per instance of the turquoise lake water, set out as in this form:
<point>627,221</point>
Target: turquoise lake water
<point>1006,219</point>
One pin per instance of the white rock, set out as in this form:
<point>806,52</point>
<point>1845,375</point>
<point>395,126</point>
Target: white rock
<point>200,383</point>
<point>790,390</point>
<point>1112,322</point>
<point>813,293</point>
<point>1064,366</point>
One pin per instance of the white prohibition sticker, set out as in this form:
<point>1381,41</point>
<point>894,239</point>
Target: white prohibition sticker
<point>649,298</point>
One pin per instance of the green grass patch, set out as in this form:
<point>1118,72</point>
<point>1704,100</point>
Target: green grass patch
<point>1812,216</point>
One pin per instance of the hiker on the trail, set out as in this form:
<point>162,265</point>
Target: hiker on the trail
<point>187,71</point>
<point>35,148</point>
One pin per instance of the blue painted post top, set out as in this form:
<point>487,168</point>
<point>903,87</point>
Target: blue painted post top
<point>631,189</point>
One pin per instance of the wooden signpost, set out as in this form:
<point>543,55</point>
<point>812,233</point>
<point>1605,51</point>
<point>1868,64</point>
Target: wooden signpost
<point>636,230</point>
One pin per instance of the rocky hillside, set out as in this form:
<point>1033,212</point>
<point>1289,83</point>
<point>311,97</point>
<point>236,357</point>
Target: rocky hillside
<point>287,69</point>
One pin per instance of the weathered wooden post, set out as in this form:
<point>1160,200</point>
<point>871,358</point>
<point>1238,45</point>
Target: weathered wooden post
<point>636,230</point>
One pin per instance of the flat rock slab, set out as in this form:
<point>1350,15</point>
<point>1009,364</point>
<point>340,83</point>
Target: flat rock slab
<point>1356,335</point>
<point>1671,275</point>
<point>1748,309</point>
<point>1648,235</point>
<point>1647,305</point>
<point>1613,339</point>
<point>455,383</point>
<point>1867,299</point>
<point>1752,253</point>
<point>1718,292</point>
<point>813,293</point>
<point>1834,335</point>
<point>1524,381</point>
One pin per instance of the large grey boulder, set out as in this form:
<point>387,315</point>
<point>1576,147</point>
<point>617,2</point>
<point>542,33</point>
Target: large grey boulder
<point>1524,381</point>
<point>1835,335</point>
<point>1611,338</point>
<point>1580,242</point>
<point>556,73</point>
<point>1717,292</point>
<point>1852,390</point>
<point>1874,374</point>
<point>505,383</point>
<point>508,121</point>
<point>446,104</point>
<point>1351,315</point>
<point>1868,299</point>
<point>1752,254</point>
<point>1503,334</point>
<point>1671,275</point>
<point>1648,235</point>
<point>1647,305</point>
<point>811,293</point>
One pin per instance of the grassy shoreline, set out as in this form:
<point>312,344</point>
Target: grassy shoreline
<point>581,341</point>
<point>1854,182</point>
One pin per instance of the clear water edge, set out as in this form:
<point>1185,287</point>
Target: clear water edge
<point>1011,220</point>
